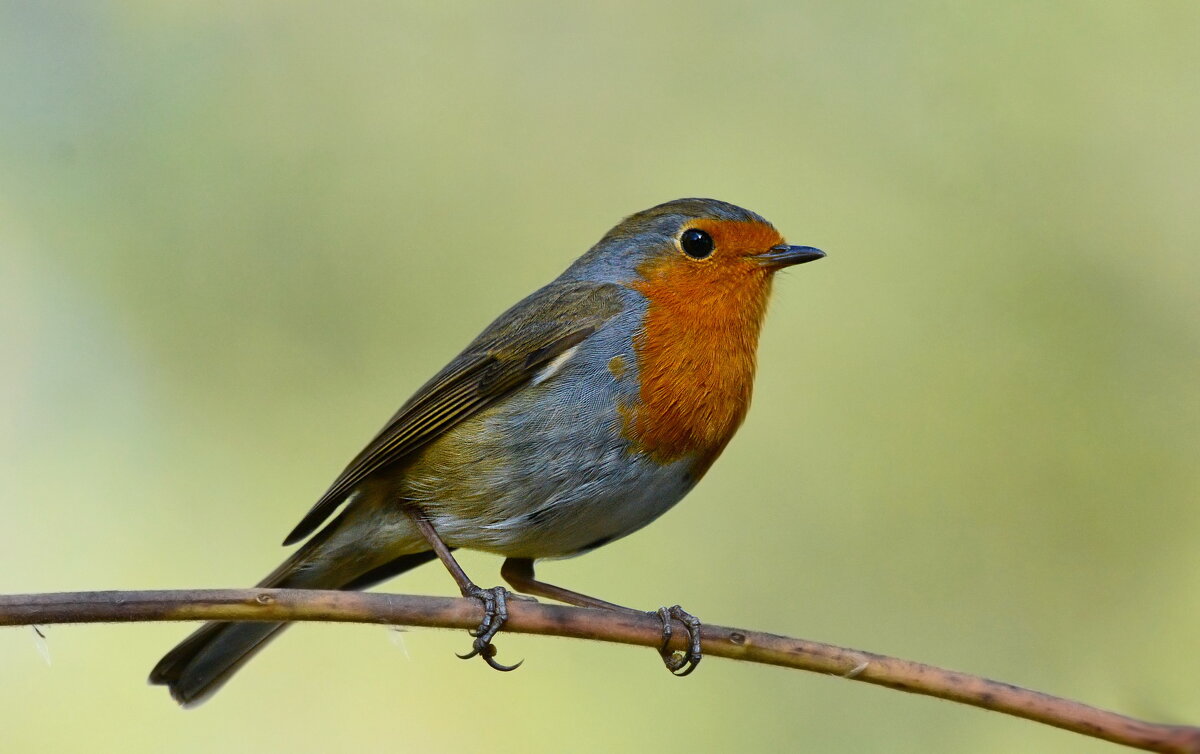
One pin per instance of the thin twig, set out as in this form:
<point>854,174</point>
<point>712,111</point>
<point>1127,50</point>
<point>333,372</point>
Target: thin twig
<point>599,625</point>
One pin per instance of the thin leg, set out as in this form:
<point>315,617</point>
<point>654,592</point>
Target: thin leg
<point>518,572</point>
<point>495,600</point>
<point>443,552</point>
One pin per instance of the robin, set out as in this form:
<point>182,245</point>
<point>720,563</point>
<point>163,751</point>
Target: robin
<point>579,416</point>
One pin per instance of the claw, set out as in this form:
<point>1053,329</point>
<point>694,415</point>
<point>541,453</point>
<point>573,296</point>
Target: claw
<point>680,663</point>
<point>489,653</point>
<point>495,613</point>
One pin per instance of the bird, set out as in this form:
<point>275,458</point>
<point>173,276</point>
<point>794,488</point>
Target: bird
<point>580,415</point>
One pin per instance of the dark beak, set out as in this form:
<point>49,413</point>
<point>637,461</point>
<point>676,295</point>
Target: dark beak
<point>785,256</point>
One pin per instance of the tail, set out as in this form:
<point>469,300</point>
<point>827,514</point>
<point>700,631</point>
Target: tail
<point>204,661</point>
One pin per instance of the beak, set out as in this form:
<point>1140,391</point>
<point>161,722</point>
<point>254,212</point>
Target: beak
<point>785,256</point>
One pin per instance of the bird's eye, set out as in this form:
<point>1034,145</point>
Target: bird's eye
<point>696,243</point>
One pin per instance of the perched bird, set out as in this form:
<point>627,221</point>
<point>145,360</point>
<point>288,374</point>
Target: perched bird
<point>579,416</point>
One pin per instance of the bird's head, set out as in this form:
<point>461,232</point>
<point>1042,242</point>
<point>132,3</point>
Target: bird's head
<point>695,244</point>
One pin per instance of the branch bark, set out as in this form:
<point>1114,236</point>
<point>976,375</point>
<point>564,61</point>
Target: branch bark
<point>598,625</point>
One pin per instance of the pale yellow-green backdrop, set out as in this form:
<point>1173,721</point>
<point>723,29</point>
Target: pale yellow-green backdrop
<point>235,236</point>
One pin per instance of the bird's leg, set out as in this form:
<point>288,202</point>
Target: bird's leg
<point>495,600</point>
<point>518,572</point>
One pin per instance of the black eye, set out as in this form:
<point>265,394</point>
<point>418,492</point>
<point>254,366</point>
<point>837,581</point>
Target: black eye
<point>696,243</point>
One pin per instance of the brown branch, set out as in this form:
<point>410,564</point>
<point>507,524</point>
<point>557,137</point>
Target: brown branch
<point>599,625</point>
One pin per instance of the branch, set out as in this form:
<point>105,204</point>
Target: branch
<point>600,625</point>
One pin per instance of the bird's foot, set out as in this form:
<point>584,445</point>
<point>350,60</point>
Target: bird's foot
<point>495,613</point>
<point>679,663</point>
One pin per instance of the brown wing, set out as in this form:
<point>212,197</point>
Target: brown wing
<point>501,360</point>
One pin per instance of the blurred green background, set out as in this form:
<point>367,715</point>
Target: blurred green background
<point>234,237</point>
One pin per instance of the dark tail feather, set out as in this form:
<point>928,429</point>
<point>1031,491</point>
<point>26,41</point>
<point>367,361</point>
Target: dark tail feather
<point>204,661</point>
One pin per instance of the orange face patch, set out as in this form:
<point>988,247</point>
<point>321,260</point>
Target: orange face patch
<point>696,351</point>
<point>738,239</point>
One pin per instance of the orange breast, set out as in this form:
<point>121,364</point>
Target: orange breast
<point>696,352</point>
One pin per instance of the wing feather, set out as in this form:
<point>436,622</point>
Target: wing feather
<point>503,359</point>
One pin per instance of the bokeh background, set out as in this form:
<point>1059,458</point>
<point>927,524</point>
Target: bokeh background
<point>234,237</point>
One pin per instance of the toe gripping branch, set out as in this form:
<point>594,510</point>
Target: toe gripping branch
<point>679,663</point>
<point>495,600</point>
<point>495,613</point>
